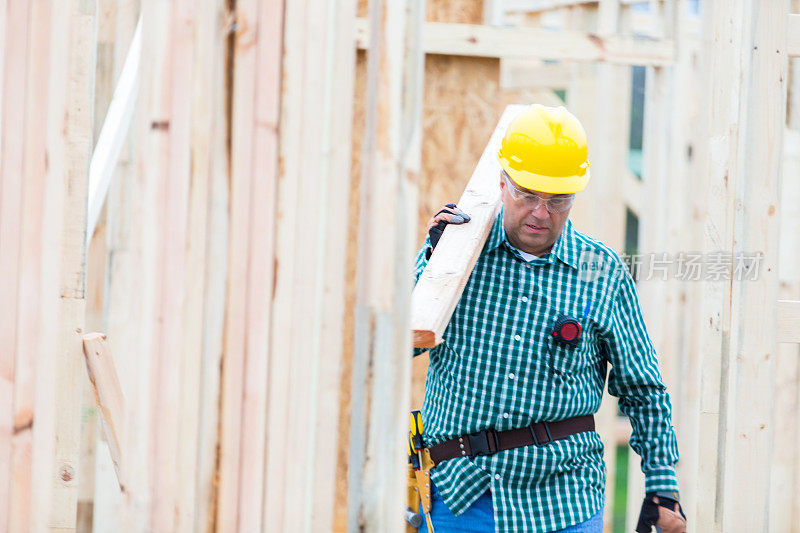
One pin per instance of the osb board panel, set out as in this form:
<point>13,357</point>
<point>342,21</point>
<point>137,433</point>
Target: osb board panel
<point>463,11</point>
<point>460,111</point>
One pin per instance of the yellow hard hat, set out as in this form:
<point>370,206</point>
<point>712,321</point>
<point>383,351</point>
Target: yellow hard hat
<point>545,150</point>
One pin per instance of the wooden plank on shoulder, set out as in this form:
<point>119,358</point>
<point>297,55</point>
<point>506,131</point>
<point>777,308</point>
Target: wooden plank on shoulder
<point>108,393</point>
<point>440,286</point>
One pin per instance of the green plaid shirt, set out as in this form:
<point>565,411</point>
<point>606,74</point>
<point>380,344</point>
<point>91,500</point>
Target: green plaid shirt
<point>498,367</point>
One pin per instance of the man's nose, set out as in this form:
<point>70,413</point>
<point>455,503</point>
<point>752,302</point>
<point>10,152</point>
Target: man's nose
<point>540,211</point>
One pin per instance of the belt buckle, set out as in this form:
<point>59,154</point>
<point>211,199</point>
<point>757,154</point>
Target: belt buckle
<point>536,439</point>
<point>479,443</point>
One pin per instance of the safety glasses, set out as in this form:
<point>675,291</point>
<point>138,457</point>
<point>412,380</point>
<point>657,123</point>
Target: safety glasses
<point>556,204</point>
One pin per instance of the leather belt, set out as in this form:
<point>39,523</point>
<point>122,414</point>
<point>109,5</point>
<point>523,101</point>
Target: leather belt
<point>490,441</point>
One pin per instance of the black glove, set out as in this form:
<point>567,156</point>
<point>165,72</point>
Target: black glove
<point>435,232</point>
<point>650,514</point>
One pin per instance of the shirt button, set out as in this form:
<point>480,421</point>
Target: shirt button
<point>517,337</point>
<point>505,415</point>
<point>511,376</point>
<point>497,476</point>
<point>524,298</point>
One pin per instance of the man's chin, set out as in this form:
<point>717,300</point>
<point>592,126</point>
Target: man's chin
<point>533,241</point>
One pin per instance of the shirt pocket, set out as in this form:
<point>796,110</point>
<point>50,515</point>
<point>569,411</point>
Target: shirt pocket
<point>568,359</point>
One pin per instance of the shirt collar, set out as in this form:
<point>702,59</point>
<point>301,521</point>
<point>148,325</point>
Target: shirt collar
<point>497,235</point>
<point>566,247</point>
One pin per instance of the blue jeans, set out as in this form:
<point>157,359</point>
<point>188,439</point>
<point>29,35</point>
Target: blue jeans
<point>479,518</point>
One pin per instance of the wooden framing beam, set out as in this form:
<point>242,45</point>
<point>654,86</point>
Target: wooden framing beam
<point>793,36</point>
<point>746,79</point>
<point>390,162</point>
<point>16,417</point>
<point>439,288</point>
<point>244,423</point>
<point>28,320</point>
<point>59,374</point>
<point>534,43</point>
<point>609,156</point>
<point>204,303</point>
<point>313,192</point>
<point>493,11</point>
<point>533,74</point>
<point>108,393</point>
<point>169,113</point>
<point>532,6</point>
<point>789,321</point>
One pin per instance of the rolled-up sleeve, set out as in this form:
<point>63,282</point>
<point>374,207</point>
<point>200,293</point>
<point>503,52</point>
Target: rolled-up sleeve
<point>419,265</point>
<point>636,380</point>
<point>422,259</point>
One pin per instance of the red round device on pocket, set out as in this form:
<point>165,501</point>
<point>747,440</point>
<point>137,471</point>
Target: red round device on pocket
<point>568,330</point>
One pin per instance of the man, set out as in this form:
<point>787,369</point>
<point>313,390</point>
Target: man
<point>511,391</point>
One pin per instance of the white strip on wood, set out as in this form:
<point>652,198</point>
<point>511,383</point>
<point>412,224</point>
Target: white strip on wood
<point>534,43</point>
<point>108,393</point>
<point>439,288</point>
<point>115,129</point>
<point>789,321</point>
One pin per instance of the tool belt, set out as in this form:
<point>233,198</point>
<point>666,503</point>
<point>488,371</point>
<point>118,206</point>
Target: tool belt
<point>490,441</point>
<point>422,459</point>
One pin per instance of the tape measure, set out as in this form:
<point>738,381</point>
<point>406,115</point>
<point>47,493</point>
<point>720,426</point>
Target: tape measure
<point>567,330</point>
